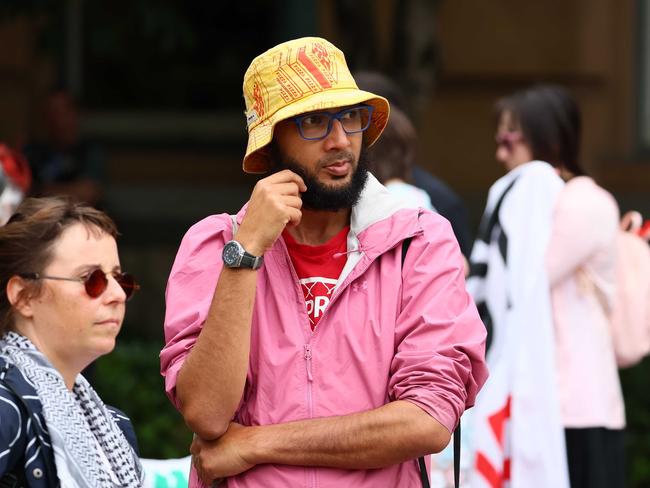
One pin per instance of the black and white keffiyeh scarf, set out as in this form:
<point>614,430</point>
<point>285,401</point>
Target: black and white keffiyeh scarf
<point>90,450</point>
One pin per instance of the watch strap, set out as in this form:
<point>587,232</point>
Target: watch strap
<point>250,261</point>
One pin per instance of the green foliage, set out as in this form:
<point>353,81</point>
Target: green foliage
<point>129,379</point>
<point>637,407</point>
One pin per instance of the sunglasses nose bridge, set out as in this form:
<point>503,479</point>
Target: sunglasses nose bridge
<point>118,287</point>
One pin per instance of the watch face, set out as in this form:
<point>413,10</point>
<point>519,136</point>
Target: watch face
<point>231,253</point>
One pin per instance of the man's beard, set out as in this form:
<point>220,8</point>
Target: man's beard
<point>320,196</point>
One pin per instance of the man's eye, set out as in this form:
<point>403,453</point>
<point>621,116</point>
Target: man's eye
<point>314,120</point>
<point>351,115</point>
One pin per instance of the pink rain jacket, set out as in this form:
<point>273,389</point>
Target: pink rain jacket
<point>388,333</point>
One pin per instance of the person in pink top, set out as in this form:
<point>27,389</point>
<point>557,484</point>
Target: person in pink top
<point>302,348</point>
<point>580,262</point>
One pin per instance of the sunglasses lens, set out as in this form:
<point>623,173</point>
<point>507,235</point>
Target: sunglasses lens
<point>128,284</point>
<point>96,283</point>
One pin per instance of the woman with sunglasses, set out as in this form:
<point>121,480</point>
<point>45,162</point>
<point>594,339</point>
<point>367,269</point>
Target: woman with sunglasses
<point>62,303</point>
<point>510,285</point>
<point>544,123</point>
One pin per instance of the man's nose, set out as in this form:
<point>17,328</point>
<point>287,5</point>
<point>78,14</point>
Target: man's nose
<point>337,138</point>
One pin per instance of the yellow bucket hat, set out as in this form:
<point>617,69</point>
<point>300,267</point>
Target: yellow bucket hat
<point>294,78</point>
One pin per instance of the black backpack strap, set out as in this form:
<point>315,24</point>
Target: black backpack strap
<point>457,456</point>
<point>423,473</point>
<point>423,467</point>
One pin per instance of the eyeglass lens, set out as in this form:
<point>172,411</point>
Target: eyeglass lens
<point>96,283</point>
<point>318,125</point>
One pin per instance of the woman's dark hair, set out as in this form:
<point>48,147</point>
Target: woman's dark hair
<point>550,121</point>
<point>26,241</point>
<point>393,154</point>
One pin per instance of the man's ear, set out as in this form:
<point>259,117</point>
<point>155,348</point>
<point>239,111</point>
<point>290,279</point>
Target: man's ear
<point>19,297</point>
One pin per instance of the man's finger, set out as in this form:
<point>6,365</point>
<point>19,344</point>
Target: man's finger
<point>295,216</point>
<point>287,175</point>
<point>289,188</point>
<point>293,202</point>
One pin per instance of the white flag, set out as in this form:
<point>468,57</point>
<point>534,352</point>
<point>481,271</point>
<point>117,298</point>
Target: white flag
<point>518,435</point>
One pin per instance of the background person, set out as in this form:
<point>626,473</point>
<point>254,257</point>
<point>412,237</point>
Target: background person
<point>518,436</point>
<point>64,163</point>
<point>445,201</point>
<point>61,307</point>
<point>292,350</point>
<point>390,160</point>
<point>581,264</point>
<point>15,181</point>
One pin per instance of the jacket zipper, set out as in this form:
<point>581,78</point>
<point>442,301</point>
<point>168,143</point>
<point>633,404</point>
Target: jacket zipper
<point>310,379</point>
<point>310,399</point>
<point>307,353</point>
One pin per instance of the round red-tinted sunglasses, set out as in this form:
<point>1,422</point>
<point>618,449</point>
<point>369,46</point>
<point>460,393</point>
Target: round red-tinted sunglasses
<point>95,282</point>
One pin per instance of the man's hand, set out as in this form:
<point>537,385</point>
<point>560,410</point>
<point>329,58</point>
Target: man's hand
<point>274,203</point>
<point>221,458</point>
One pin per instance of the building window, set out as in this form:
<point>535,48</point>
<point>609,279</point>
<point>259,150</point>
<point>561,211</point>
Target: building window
<point>146,70</point>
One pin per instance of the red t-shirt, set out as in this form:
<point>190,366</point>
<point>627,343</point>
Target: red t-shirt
<point>318,270</point>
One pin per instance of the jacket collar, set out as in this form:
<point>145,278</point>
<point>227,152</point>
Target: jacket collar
<point>378,222</point>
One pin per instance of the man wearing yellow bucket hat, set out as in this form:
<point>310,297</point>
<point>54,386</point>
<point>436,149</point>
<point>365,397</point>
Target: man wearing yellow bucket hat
<point>323,335</point>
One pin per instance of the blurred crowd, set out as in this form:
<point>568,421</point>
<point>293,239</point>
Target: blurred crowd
<point>60,162</point>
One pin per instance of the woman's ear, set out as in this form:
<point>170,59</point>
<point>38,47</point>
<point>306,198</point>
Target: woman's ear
<point>18,296</point>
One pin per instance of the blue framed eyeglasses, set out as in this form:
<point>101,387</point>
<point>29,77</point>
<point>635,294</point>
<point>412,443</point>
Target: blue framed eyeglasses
<point>315,126</point>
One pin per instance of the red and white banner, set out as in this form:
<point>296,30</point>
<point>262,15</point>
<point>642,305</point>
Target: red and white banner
<point>517,433</point>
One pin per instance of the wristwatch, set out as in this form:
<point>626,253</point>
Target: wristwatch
<point>235,256</point>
